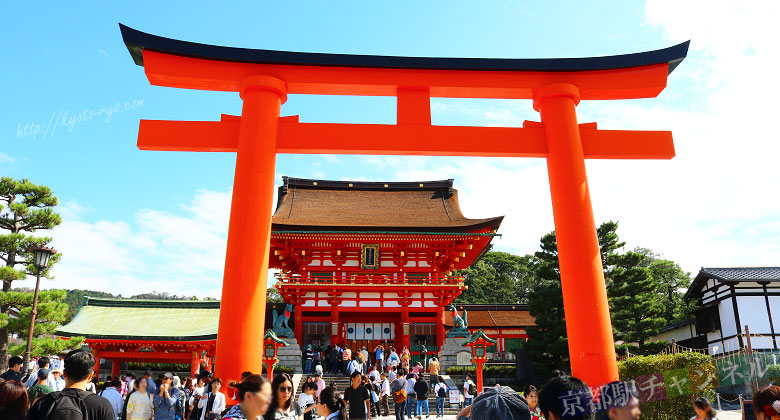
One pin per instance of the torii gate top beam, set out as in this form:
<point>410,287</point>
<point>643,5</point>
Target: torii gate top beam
<point>189,65</point>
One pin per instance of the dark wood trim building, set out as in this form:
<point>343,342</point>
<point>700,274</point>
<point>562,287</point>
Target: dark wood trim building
<point>732,298</point>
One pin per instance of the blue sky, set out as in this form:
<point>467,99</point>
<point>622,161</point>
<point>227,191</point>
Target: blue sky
<point>137,221</point>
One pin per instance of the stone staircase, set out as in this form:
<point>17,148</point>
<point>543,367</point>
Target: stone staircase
<point>342,382</point>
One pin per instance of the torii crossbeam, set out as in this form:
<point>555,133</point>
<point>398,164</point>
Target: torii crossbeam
<point>264,78</point>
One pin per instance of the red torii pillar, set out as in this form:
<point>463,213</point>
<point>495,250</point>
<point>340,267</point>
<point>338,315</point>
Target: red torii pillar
<point>264,78</point>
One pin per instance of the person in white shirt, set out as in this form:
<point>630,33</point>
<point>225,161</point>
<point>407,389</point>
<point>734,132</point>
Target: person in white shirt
<point>59,381</point>
<point>43,363</point>
<point>111,393</point>
<point>468,387</point>
<point>212,408</point>
<point>199,390</point>
<point>139,405</point>
<point>384,393</point>
<point>306,399</point>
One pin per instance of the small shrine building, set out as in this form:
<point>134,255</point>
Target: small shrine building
<point>150,331</point>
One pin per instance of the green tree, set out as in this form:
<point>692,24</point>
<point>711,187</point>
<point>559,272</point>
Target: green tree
<point>498,277</point>
<point>52,312</point>
<point>24,208</point>
<point>74,298</point>
<point>272,295</point>
<point>636,309</point>
<point>547,340</point>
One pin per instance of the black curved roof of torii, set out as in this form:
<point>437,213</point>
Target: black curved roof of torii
<point>137,41</point>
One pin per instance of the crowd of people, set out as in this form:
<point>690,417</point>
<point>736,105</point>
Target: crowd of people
<point>341,359</point>
<point>41,396</point>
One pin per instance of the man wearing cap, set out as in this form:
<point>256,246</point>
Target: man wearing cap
<point>165,399</point>
<point>497,403</point>
<point>59,382</point>
<point>40,389</point>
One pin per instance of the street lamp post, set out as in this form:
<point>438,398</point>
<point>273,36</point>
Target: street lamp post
<point>271,344</point>
<point>41,256</point>
<point>479,342</point>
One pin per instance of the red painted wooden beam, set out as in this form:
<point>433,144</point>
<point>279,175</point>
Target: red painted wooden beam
<point>411,139</point>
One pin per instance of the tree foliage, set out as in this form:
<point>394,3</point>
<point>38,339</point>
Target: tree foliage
<point>498,277</point>
<point>547,341</point>
<point>635,307</point>
<point>272,295</point>
<point>26,208</point>
<point>672,282</point>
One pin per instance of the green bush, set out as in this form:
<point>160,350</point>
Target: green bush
<point>487,370</point>
<point>281,369</point>
<point>166,367</point>
<point>674,407</point>
<point>773,373</point>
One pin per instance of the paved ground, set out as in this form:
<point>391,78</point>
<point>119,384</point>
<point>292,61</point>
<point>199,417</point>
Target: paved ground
<point>722,415</point>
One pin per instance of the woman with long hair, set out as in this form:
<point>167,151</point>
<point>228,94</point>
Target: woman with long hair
<point>254,396</point>
<point>766,403</point>
<point>283,406</point>
<point>330,405</point>
<point>138,405</point>
<point>14,402</point>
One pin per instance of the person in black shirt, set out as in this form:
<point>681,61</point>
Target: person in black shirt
<point>421,388</point>
<point>14,367</point>
<point>358,398</point>
<point>63,405</point>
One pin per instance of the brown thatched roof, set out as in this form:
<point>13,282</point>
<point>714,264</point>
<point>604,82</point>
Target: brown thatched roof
<point>307,204</point>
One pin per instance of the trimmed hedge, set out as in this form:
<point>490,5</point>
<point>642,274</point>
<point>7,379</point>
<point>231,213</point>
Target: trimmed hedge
<point>487,370</point>
<point>699,369</point>
<point>165,367</point>
<point>281,369</point>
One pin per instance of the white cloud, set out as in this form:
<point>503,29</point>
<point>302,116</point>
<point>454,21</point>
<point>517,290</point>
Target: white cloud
<point>715,204</point>
<point>177,252</point>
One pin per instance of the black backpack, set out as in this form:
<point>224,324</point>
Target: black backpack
<point>123,415</point>
<point>58,401</point>
<point>442,392</point>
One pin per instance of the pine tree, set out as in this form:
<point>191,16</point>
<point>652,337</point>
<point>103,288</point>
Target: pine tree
<point>637,312</point>
<point>25,208</point>
<point>547,340</point>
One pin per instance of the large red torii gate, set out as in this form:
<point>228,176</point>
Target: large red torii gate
<point>263,78</point>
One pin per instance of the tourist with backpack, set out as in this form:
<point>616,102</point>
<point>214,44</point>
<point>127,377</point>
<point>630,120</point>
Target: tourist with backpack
<point>166,399</point>
<point>40,389</point>
<point>441,391</point>
<point>398,389</point>
<point>74,402</point>
<point>468,388</point>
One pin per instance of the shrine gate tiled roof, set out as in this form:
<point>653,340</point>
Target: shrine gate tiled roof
<point>306,204</point>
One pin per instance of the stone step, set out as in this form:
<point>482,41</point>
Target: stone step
<point>343,382</point>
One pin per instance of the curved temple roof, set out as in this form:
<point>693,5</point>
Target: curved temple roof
<point>432,206</point>
<point>137,41</point>
<point>144,320</point>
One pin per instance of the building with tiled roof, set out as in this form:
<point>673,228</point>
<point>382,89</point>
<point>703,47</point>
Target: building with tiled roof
<point>735,298</point>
